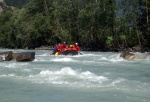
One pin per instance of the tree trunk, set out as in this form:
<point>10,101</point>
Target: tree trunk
<point>46,7</point>
<point>138,36</point>
<point>147,21</point>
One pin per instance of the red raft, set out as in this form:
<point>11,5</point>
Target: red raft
<point>67,51</point>
<point>63,49</point>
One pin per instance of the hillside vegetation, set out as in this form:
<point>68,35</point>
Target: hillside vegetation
<point>15,3</point>
<point>104,25</point>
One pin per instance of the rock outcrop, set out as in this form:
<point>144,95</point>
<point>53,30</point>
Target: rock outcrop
<point>19,57</point>
<point>23,56</point>
<point>6,56</point>
<point>127,55</point>
<point>130,56</point>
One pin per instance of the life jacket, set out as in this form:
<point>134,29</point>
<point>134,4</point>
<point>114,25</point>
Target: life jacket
<point>64,45</point>
<point>77,47</point>
<point>58,48</point>
<point>72,47</point>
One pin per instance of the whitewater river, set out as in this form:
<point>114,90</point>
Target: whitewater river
<point>92,77</point>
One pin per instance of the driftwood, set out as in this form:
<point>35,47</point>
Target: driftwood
<point>19,57</point>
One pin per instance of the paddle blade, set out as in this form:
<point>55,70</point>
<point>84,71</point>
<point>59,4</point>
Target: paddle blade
<point>56,53</point>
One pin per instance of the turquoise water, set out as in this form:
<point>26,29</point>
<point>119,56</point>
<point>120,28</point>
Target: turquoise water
<point>92,77</point>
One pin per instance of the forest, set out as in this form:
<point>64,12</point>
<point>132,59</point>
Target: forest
<point>16,3</point>
<point>97,25</point>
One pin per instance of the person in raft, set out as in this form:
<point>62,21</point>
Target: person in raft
<point>63,47</point>
<point>56,48</point>
<point>74,47</point>
<point>77,47</point>
<point>60,47</point>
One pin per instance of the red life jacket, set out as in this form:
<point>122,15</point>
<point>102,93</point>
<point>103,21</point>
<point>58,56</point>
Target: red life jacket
<point>77,47</point>
<point>57,48</point>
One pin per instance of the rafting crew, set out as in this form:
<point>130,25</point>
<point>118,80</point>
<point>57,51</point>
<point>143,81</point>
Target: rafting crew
<point>74,47</point>
<point>77,47</point>
<point>62,47</point>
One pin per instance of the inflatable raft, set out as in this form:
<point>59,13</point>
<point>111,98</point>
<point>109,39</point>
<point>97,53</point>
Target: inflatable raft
<point>66,52</point>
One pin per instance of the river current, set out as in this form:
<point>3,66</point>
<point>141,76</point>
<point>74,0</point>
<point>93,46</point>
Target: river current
<point>91,77</point>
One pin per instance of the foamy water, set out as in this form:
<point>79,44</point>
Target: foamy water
<point>94,76</point>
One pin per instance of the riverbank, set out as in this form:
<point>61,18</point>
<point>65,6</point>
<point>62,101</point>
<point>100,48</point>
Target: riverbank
<point>131,49</point>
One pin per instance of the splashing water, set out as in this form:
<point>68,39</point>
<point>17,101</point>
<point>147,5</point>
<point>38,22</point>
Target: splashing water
<point>94,76</point>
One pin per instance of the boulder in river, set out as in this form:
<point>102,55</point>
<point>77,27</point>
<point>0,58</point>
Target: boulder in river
<point>6,56</point>
<point>23,56</point>
<point>127,55</point>
<point>19,56</point>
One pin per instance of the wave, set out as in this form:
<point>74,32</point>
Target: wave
<point>13,65</point>
<point>142,56</point>
<point>65,59</point>
<point>7,75</point>
<point>70,77</point>
<point>112,57</point>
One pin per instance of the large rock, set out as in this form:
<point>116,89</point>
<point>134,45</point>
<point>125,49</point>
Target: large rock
<point>1,58</point>
<point>127,55</point>
<point>6,56</point>
<point>23,56</point>
<point>20,56</point>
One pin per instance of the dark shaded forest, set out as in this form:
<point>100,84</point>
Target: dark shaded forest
<point>97,25</point>
<point>16,3</point>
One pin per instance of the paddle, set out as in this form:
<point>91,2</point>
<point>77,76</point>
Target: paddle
<point>81,53</point>
<point>56,53</point>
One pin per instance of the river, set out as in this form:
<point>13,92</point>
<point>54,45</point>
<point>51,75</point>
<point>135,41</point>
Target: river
<point>91,77</point>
